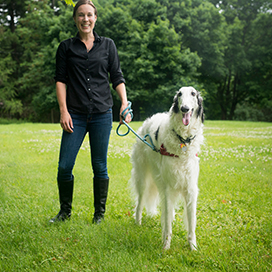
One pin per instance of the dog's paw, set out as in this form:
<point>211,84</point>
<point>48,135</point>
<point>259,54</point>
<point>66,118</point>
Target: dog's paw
<point>167,242</point>
<point>138,221</point>
<point>192,241</point>
<point>166,246</point>
<point>193,246</point>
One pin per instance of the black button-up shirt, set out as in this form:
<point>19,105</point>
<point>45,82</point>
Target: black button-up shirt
<point>86,74</point>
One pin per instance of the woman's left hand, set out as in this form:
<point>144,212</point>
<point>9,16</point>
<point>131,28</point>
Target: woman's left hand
<point>128,117</point>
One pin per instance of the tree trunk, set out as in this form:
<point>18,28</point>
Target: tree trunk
<point>12,19</point>
<point>234,97</point>
<point>220,96</point>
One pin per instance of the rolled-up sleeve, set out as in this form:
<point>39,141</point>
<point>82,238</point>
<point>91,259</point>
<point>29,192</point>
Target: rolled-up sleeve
<point>61,64</point>
<point>115,71</point>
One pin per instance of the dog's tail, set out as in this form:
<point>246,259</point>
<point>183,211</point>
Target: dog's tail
<point>146,194</point>
<point>151,199</point>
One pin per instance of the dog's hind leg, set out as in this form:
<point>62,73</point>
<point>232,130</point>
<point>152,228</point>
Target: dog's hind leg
<point>166,220</point>
<point>190,217</point>
<point>140,188</point>
<point>139,210</point>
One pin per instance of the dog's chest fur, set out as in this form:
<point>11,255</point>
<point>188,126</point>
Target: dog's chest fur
<point>166,130</point>
<point>163,129</point>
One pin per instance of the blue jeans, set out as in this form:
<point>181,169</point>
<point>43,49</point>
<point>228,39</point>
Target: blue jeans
<point>99,126</point>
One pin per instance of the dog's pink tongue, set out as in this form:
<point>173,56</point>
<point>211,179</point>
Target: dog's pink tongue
<point>186,119</point>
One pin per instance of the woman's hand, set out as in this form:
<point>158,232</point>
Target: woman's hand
<point>65,117</point>
<point>128,117</point>
<point>66,122</point>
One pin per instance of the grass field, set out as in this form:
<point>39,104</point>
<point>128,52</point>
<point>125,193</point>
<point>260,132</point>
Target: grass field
<point>234,227</point>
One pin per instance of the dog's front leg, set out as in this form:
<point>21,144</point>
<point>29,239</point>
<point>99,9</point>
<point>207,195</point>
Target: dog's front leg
<point>190,202</point>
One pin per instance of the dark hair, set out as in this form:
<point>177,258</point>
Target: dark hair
<point>84,2</point>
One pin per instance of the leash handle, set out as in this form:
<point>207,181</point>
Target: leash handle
<point>128,127</point>
<point>129,110</point>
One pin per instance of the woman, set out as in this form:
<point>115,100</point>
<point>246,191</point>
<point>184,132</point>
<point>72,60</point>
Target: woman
<point>83,92</point>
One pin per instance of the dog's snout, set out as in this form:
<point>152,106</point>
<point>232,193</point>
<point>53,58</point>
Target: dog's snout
<point>185,108</point>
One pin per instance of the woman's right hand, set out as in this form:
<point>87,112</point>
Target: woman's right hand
<point>66,122</point>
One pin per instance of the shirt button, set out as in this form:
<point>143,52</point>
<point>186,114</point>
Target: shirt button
<point>91,100</point>
<point>88,79</point>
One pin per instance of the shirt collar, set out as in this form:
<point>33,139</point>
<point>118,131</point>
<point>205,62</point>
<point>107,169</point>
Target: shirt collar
<point>97,38</point>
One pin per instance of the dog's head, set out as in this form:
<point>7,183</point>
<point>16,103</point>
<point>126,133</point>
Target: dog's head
<point>188,102</point>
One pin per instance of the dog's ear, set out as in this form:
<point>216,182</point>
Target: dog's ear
<point>175,106</point>
<point>200,111</point>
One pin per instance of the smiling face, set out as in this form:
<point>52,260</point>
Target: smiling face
<point>85,19</point>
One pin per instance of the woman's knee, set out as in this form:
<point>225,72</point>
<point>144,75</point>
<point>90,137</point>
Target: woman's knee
<point>100,169</point>
<point>65,173</point>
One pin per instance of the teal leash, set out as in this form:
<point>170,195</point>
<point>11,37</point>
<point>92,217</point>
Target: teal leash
<point>144,139</point>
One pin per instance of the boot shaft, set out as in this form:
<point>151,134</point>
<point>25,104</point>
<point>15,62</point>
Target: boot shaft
<point>100,187</point>
<point>66,189</point>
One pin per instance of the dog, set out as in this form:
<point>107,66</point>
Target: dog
<point>171,173</point>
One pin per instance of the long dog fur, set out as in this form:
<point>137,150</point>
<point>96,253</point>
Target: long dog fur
<point>157,178</point>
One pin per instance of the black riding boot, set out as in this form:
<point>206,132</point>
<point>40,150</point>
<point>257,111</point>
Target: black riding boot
<point>100,187</point>
<point>65,197</point>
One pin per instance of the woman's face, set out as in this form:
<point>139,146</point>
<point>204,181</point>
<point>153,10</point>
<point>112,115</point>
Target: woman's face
<point>85,19</point>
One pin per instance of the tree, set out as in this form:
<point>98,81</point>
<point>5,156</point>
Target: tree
<point>37,85</point>
<point>232,38</point>
<point>11,11</point>
<point>8,100</point>
<point>259,77</point>
<point>223,48</point>
<point>248,22</point>
<point>27,90</point>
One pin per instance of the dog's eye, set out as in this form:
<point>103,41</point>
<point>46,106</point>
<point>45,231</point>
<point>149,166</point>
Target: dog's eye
<point>193,93</point>
<point>180,93</point>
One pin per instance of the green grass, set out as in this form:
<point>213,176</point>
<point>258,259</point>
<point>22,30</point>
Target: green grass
<point>234,227</point>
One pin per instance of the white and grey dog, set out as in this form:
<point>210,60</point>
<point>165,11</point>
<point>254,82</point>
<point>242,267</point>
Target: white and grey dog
<point>172,172</point>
